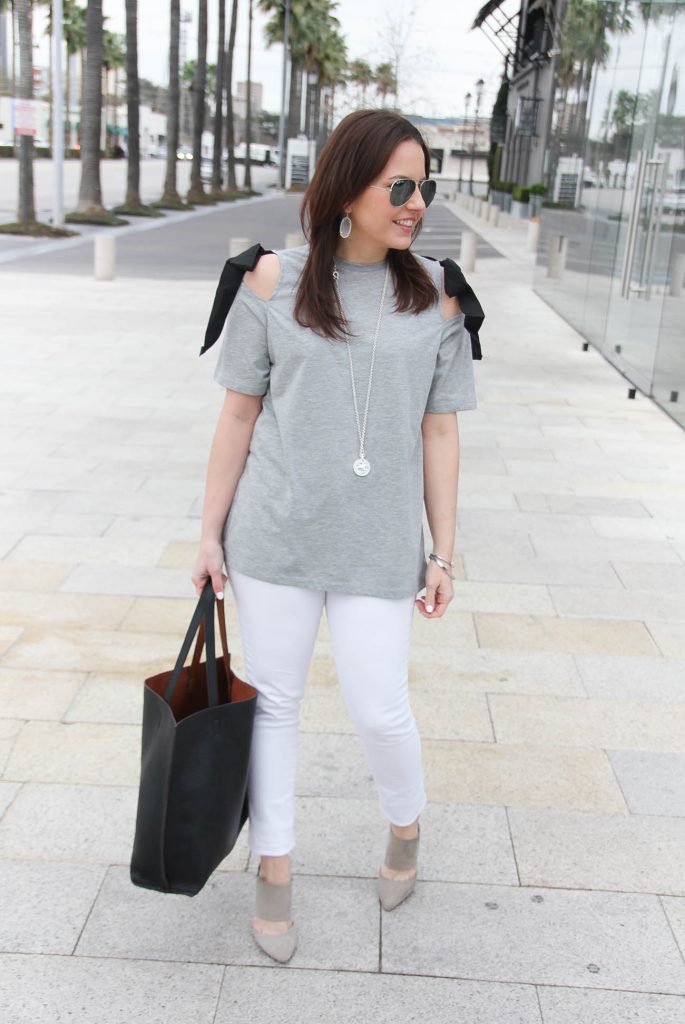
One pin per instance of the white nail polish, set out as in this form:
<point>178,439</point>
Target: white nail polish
<point>429,607</point>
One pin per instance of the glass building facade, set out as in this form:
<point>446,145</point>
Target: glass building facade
<point>611,252</point>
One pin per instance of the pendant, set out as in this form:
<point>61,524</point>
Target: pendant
<point>361,467</point>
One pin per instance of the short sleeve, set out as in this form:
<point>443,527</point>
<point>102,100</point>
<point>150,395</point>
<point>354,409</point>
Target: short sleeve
<point>453,387</point>
<point>243,363</point>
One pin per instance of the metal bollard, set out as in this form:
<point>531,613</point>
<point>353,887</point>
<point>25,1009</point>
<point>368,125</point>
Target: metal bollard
<point>494,215</point>
<point>467,255</point>
<point>105,257</point>
<point>237,245</point>
<point>293,239</point>
<point>533,235</point>
<point>677,275</point>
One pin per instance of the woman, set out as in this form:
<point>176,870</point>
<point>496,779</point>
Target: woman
<point>344,363</point>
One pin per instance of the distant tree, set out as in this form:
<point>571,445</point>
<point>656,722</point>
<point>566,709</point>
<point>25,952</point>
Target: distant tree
<point>232,184</point>
<point>170,198</point>
<point>27,210</point>
<point>217,181</point>
<point>196,193</point>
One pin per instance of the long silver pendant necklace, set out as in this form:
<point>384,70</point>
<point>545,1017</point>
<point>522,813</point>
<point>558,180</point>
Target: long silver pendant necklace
<point>361,466</point>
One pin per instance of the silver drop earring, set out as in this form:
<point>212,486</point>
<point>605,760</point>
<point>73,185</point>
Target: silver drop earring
<point>345,227</point>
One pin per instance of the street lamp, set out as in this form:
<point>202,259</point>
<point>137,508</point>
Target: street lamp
<point>467,100</point>
<point>479,92</point>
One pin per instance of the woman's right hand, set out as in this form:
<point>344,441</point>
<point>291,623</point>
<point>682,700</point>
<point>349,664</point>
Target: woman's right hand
<point>209,563</point>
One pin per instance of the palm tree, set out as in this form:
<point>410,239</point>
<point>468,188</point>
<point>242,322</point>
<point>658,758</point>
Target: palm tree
<point>385,81</point>
<point>360,73</point>
<point>27,209</point>
<point>171,200</point>
<point>113,58</point>
<point>216,190</point>
<point>74,30</point>
<point>89,208</point>
<point>230,134</point>
<point>196,193</point>
<point>247,180</point>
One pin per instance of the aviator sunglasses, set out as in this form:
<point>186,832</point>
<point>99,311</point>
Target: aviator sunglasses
<point>402,190</point>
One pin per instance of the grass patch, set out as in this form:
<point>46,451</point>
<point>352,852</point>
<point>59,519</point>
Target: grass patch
<point>138,211</point>
<point>37,229</point>
<point>107,219</point>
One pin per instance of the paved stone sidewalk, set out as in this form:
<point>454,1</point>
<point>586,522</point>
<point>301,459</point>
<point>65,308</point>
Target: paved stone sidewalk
<point>551,698</point>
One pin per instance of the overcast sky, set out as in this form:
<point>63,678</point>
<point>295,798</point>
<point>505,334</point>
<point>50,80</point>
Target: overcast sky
<point>444,57</point>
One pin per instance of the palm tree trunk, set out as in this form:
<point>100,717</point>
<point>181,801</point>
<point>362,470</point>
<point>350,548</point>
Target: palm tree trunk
<point>27,210</point>
<point>132,106</point>
<point>295,99</point>
<point>170,195</point>
<point>230,134</point>
<point>82,99</point>
<point>90,193</point>
<point>219,102</point>
<point>197,191</point>
<point>247,181</point>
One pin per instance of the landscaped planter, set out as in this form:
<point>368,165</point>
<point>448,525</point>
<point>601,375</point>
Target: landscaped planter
<point>506,202</point>
<point>535,203</point>
<point>521,210</point>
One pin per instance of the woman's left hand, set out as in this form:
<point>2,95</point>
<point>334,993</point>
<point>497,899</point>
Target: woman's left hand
<point>439,592</point>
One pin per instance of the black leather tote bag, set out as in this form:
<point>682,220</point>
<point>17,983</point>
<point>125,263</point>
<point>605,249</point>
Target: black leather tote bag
<point>197,731</point>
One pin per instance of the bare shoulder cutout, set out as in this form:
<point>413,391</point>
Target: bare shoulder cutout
<point>450,303</point>
<point>264,278</point>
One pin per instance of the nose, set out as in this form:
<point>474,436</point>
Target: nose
<point>416,202</point>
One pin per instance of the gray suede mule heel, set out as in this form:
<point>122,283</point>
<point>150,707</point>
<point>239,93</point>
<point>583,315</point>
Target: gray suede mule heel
<point>273,903</point>
<point>401,855</point>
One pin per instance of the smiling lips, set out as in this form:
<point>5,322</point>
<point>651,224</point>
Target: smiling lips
<point>406,224</point>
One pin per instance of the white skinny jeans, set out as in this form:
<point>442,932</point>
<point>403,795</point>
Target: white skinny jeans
<point>370,637</point>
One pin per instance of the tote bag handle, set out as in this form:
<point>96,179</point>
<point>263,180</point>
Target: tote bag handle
<point>203,618</point>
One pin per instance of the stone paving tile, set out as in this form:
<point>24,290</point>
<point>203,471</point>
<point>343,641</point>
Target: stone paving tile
<point>575,636</point>
<point>166,528</point>
<point>668,636</point>
<point>488,670</point>
<point>45,905</point>
<point>651,782</point>
<point>106,697</point>
<point>123,503</point>
<point>33,576</point>
<point>674,908</point>
<point>603,602</point>
<point>86,650</point>
<point>614,676</point>
<point>502,597</point>
<point>178,554</point>
<point>606,549</point>
<point>338,922</point>
<point>515,567</point>
<point>626,853</point>
<point>30,609</point>
<point>520,775</point>
<point>10,729</point>
<point>638,529</point>
<point>55,524</point>
<point>173,615</point>
<point>87,752</point>
<point>511,934</point>
<point>584,1006</point>
<point>651,577</point>
<point>8,636</point>
<point>36,693</point>
<point>136,581</point>
<point>44,989</point>
<point>459,843</point>
<point>8,791</point>
<point>571,504</point>
<point>87,550</point>
<point>587,722</point>
<point>308,997</point>
<point>455,629</point>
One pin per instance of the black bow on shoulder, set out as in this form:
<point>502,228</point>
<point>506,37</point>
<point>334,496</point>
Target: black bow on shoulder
<point>226,291</point>
<point>234,268</point>
<point>457,286</point>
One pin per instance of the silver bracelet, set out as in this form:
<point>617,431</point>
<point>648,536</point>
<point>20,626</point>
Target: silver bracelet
<point>443,563</point>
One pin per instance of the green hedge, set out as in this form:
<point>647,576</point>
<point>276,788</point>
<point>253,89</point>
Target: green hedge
<point>521,193</point>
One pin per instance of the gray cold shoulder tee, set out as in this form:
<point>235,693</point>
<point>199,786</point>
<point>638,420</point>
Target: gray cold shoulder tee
<point>300,515</point>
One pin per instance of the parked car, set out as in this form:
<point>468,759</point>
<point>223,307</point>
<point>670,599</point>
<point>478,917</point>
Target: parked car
<point>184,153</point>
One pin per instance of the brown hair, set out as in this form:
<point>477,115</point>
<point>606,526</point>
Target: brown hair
<point>353,156</point>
